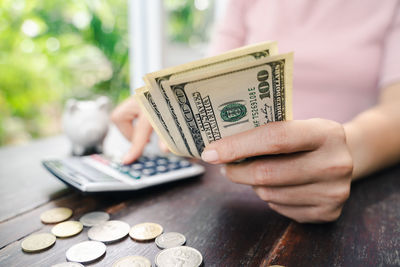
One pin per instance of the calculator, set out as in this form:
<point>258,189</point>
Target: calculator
<point>97,173</point>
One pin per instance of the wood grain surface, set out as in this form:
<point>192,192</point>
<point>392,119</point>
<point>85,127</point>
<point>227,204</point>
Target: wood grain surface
<point>226,222</point>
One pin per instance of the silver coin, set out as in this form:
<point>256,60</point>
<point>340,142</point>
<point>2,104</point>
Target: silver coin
<point>68,264</point>
<point>170,240</point>
<point>93,218</point>
<point>109,231</point>
<point>132,261</point>
<point>179,256</point>
<point>86,251</point>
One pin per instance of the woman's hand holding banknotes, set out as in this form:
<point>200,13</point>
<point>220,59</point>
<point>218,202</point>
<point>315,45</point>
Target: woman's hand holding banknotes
<point>302,169</point>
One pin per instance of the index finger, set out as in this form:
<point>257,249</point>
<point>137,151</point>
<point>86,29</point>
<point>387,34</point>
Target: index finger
<point>140,137</point>
<point>123,116</point>
<point>270,139</point>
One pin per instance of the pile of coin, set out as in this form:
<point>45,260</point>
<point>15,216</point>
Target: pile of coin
<point>42,241</point>
<point>104,231</point>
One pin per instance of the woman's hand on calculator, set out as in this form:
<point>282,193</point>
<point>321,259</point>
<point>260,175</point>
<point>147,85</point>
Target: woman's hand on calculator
<point>139,134</point>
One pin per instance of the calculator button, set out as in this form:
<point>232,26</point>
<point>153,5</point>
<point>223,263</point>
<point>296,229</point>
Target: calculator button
<point>149,164</point>
<point>161,168</point>
<point>148,171</point>
<point>134,174</point>
<point>125,168</point>
<point>162,161</point>
<point>137,166</point>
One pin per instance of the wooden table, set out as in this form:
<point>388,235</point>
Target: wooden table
<point>226,222</point>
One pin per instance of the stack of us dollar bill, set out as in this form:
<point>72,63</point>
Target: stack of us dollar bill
<point>194,104</point>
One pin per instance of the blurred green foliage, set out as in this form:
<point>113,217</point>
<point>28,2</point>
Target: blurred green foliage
<point>51,50</point>
<point>189,21</point>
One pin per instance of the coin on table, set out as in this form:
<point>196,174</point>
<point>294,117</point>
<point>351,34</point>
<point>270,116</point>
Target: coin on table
<point>132,261</point>
<point>67,229</point>
<point>56,215</point>
<point>95,217</point>
<point>38,242</point>
<point>109,231</point>
<point>145,231</point>
<point>179,256</point>
<point>86,251</point>
<point>170,240</point>
<point>68,264</point>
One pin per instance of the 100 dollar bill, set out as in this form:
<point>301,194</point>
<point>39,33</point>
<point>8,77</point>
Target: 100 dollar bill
<point>210,106</point>
<point>147,104</point>
<point>164,105</point>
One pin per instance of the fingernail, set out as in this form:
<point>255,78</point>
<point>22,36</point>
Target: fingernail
<point>223,170</point>
<point>210,155</point>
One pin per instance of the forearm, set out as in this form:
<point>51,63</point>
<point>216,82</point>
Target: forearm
<point>374,135</point>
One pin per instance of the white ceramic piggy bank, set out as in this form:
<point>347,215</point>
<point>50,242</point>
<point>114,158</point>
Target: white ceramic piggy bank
<point>86,124</point>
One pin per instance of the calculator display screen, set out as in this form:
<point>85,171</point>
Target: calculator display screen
<point>90,173</point>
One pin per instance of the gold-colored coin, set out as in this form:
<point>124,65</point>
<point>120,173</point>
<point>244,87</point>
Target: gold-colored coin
<point>67,229</point>
<point>38,242</point>
<point>56,215</point>
<point>145,231</point>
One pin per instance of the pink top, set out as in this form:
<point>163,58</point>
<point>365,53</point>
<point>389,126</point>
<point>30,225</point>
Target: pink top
<point>345,50</point>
